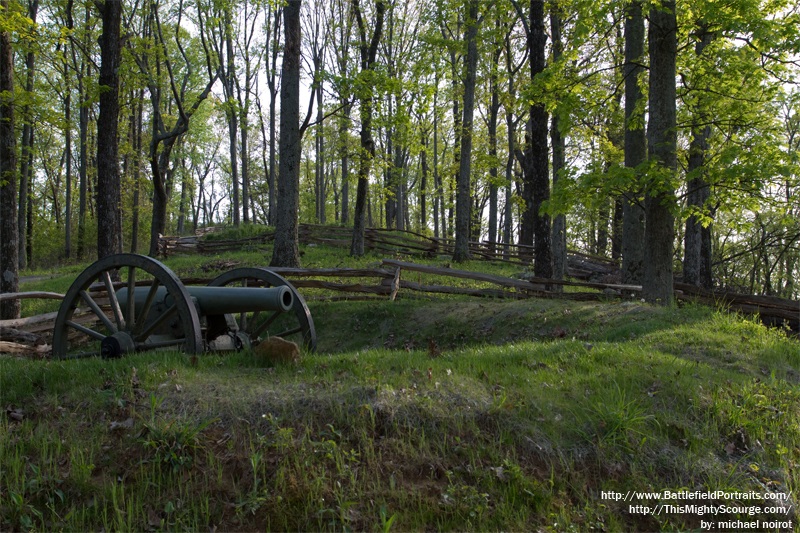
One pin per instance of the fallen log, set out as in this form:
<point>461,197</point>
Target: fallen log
<point>22,337</point>
<point>24,349</point>
<point>29,321</point>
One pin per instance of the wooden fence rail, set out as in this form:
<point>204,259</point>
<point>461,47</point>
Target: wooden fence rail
<point>392,281</point>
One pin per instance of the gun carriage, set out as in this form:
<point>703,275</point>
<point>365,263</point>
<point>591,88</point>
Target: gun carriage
<point>128,303</point>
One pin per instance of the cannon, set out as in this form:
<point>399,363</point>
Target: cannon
<point>127,303</point>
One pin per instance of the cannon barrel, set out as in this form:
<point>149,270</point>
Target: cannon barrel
<point>220,300</point>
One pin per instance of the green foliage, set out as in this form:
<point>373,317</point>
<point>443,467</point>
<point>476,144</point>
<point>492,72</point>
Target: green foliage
<point>243,231</point>
<point>172,443</point>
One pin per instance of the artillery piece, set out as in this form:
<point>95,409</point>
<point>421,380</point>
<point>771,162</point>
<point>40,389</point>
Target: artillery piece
<point>99,317</point>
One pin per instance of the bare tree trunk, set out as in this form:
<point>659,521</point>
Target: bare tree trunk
<point>285,251</point>
<point>657,284</point>
<point>461,252</point>
<point>9,234</point>
<point>633,219</point>
<point>109,222</point>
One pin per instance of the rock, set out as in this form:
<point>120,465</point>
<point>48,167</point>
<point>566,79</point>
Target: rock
<point>275,351</point>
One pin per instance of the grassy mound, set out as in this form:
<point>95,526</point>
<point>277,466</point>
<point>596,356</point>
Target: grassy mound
<point>447,414</point>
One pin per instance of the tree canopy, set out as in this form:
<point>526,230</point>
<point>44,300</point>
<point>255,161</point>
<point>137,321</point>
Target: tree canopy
<point>502,121</point>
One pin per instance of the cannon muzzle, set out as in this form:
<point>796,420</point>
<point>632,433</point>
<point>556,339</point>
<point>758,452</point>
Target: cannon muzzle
<point>219,300</point>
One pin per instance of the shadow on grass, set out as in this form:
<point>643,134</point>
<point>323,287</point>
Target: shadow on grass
<point>458,323</point>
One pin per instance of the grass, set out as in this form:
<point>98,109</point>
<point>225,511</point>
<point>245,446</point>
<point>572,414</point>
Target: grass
<point>446,414</point>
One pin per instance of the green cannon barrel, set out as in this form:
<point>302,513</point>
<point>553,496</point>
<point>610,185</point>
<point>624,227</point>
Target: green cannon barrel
<point>219,300</point>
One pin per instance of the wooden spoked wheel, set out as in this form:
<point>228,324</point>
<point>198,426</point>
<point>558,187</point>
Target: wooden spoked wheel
<point>295,325</point>
<point>91,320</point>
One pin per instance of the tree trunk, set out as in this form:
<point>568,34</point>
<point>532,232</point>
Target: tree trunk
<point>537,171</point>
<point>319,168</point>
<point>438,197</point>
<point>345,147</point>
<point>461,252</point>
<point>26,152</point>
<point>29,208</point>
<point>697,253</point>
<point>285,251</point>
<point>273,100</point>
<point>368,54</point>
<point>68,171</point>
<point>508,215</point>
<point>109,222</point>
<point>244,123</point>
<point>138,130</point>
<point>559,230</point>
<point>182,204</point>
<point>244,132</point>
<point>9,234</point>
<point>233,118</point>
<point>633,219</point>
<point>423,186</point>
<point>494,111</point>
<point>616,229</point>
<point>68,142</point>
<point>657,284</point>
<point>83,164</point>
<point>601,244</point>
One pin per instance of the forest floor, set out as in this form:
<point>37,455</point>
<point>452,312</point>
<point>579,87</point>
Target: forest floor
<point>440,413</point>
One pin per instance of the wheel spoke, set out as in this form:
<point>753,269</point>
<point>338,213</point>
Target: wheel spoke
<point>251,321</point>
<point>288,332</point>
<point>159,344</point>
<point>83,329</point>
<point>243,316</point>
<point>98,312</point>
<point>158,321</point>
<point>256,333</point>
<point>148,302</point>
<point>112,298</point>
<point>131,321</point>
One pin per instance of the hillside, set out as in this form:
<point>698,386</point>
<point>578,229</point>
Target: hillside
<point>438,412</point>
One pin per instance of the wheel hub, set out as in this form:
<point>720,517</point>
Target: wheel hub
<point>117,345</point>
